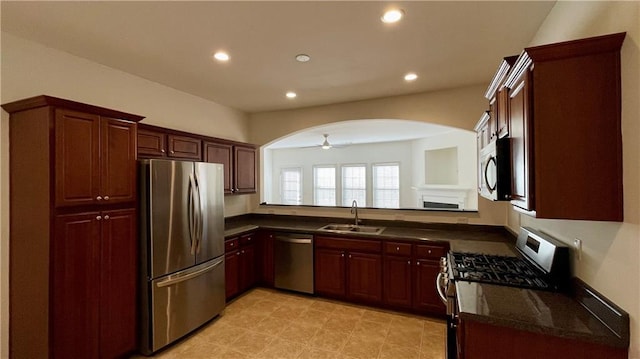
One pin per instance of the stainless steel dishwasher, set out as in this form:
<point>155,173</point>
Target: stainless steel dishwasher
<point>293,257</point>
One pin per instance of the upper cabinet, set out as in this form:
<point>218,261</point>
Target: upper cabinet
<point>94,159</point>
<point>497,95</point>
<point>239,159</point>
<point>564,125</point>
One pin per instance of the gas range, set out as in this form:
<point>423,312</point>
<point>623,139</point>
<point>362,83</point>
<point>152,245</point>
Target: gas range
<point>502,270</point>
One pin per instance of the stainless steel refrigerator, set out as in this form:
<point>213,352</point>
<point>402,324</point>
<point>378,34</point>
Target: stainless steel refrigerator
<point>182,247</point>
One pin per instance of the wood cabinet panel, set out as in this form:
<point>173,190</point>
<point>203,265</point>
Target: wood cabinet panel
<point>118,279</point>
<point>76,286</point>
<point>520,134</point>
<point>221,153</point>
<point>245,169</point>
<point>248,267</point>
<point>430,251</point>
<point>397,281</point>
<point>329,273</point>
<point>425,294</point>
<point>360,245</point>
<point>118,179</point>
<point>184,147</point>
<point>152,143</point>
<point>232,273</point>
<point>397,248</point>
<point>364,275</point>
<point>502,104</point>
<point>77,158</point>
<point>268,265</point>
<point>243,264</point>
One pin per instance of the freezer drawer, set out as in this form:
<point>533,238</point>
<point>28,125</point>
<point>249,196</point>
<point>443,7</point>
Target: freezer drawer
<point>183,301</point>
<point>293,257</point>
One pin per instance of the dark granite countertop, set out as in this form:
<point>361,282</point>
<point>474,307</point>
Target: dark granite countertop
<point>535,311</point>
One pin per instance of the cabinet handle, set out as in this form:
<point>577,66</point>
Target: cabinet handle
<point>106,198</point>
<point>238,253</point>
<point>106,217</point>
<point>99,198</point>
<point>162,150</point>
<point>99,218</point>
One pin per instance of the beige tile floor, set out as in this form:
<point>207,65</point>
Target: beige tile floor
<point>272,324</point>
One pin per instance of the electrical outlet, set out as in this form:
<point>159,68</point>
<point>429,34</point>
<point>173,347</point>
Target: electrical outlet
<point>463,220</point>
<point>577,244</point>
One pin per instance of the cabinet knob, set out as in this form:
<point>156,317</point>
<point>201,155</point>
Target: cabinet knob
<point>106,198</point>
<point>242,251</point>
<point>99,218</point>
<point>162,150</point>
<point>418,263</point>
<point>429,251</point>
<point>106,217</point>
<point>409,262</point>
<point>349,255</point>
<point>342,255</point>
<point>173,152</point>
<point>99,198</point>
<point>249,239</point>
<point>231,244</point>
<point>238,253</point>
<point>397,249</point>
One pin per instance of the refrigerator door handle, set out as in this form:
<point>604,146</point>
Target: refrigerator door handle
<point>177,278</point>
<point>199,215</point>
<point>192,215</point>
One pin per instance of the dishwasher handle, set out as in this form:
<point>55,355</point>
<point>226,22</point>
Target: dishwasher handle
<point>296,239</point>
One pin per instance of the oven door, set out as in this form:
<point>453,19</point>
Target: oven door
<point>446,292</point>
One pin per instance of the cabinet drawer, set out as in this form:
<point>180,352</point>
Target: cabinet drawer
<point>425,251</point>
<point>247,239</point>
<point>363,245</point>
<point>231,245</point>
<point>397,248</point>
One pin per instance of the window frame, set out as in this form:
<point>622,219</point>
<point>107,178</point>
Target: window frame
<point>374,188</point>
<point>300,186</point>
<point>335,184</point>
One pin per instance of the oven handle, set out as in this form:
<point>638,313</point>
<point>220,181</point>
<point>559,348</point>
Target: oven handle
<point>443,298</point>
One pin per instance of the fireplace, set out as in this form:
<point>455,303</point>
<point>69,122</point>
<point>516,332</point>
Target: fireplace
<point>441,197</point>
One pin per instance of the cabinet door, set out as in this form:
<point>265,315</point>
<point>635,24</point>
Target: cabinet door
<point>77,158</point>
<point>426,295</point>
<point>75,301</point>
<point>364,277</point>
<point>521,152</point>
<point>268,274</point>
<point>244,169</point>
<point>397,281</point>
<point>329,272</point>
<point>247,267</point>
<point>151,143</point>
<point>185,147</point>
<point>492,124</point>
<point>502,103</point>
<point>231,273</point>
<point>221,153</point>
<point>118,278</point>
<point>118,164</point>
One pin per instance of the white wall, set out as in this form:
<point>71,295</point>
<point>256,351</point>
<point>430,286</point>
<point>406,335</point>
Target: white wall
<point>611,251</point>
<point>30,69</point>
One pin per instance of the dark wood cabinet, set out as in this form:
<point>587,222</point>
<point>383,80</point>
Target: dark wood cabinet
<point>349,269</point>
<point>151,143</point>
<point>239,165</point>
<point>426,296</point>
<point>329,272</point>
<point>242,264</point>
<point>94,159</point>
<point>216,152</point>
<point>497,94</point>
<point>244,176</point>
<point>267,275</point>
<point>184,147</point>
<point>397,280</point>
<point>565,128</point>
<point>73,263</point>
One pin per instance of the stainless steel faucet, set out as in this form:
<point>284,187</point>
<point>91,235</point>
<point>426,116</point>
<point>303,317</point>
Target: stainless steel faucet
<point>354,210</point>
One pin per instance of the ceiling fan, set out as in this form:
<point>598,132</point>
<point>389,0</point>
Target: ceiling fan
<point>325,145</point>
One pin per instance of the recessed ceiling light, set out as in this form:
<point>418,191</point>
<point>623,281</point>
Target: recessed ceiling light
<point>410,76</point>
<point>392,16</point>
<point>291,94</point>
<point>303,57</point>
<point>221,56</point>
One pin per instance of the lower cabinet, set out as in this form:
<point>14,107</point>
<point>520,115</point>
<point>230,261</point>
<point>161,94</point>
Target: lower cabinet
<point>397,280</point>
<point>94,271</point>
<point>241,264</point>
<point>348,269</point>
<point>426,297</point>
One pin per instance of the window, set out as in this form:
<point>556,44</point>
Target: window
<point>324,185</point>
<point>354,185</point>
<point>291,186</point>
<point>386,185</point>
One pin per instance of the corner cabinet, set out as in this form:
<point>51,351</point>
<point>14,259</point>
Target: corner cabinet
<point>73,242</point>
<point>239,162</point>
<point>564,110</point>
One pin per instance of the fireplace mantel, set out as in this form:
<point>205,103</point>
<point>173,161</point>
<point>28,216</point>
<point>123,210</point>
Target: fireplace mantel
<point>442,194</point>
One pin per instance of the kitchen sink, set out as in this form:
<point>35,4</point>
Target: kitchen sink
<point>351,228</point>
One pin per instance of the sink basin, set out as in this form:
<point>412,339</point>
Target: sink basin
<point>350,228</point>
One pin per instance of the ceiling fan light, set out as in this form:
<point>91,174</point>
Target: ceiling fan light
<point>326,145</point>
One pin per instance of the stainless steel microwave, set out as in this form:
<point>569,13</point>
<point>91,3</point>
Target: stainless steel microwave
<point>495,170</point>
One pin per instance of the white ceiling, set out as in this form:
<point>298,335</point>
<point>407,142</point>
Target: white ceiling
<point>354,55</point>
